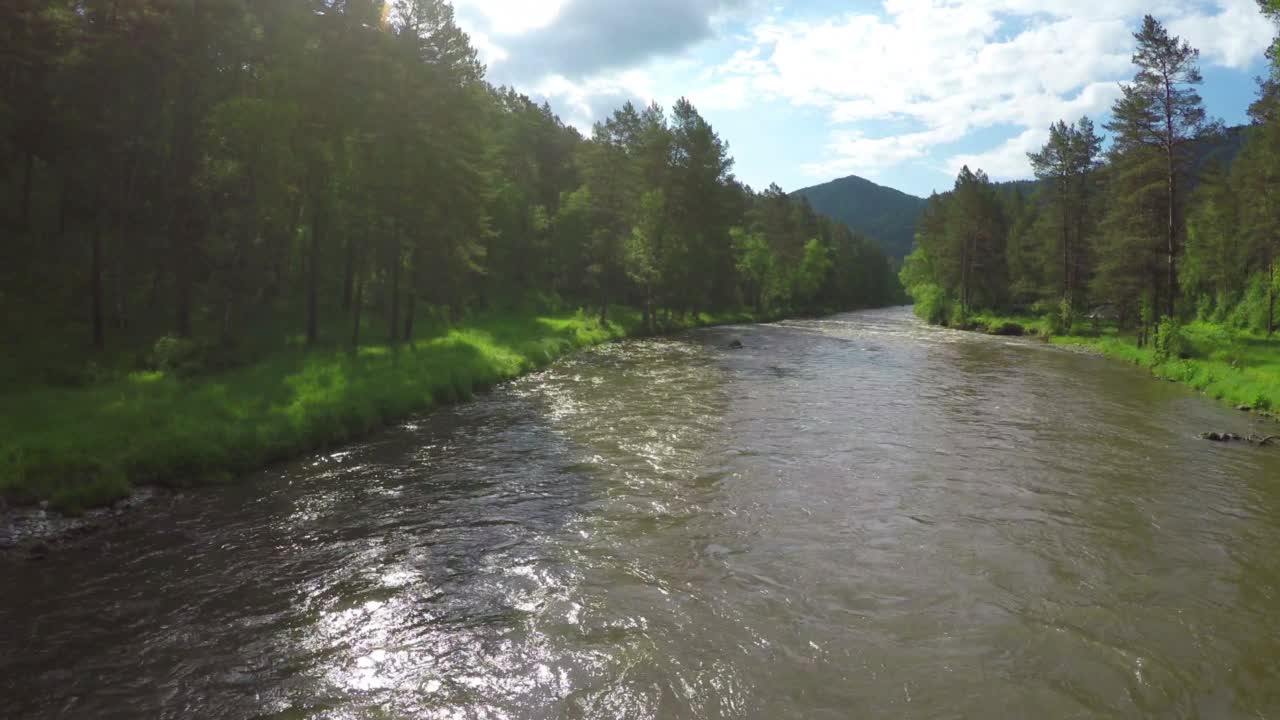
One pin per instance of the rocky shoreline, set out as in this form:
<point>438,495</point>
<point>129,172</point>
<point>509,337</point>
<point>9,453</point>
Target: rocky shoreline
<point>32,532</point>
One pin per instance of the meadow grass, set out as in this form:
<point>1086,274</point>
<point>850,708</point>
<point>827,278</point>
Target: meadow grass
<point>998,324</point>
<point>1234,366</point>
<point>80,447</point>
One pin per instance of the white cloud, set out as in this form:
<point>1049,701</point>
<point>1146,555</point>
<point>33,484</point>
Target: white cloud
<point>1008,161</point>
<point>581,103</point>
<point>954,66</point>
<point>853,151</point>
<point>944,68</point>
<point>509,17</point>
<point>1232,38</point>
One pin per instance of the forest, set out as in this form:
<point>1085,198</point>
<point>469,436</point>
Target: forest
<point>1147,247</point>
<point>210,161</point>
<point>199,191</point>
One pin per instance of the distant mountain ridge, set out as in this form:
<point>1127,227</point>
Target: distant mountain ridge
<point>890,216</point>
<point>876,211</point>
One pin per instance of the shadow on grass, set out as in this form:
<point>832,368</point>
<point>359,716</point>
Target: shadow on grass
<point>80,447</point>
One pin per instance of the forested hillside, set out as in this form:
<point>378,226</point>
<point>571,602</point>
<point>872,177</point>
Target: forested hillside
<point>1160,249</point>
<point>1176,221</point>
<point>886,215</point>
<point>198,170</point>
<point>890,217</point>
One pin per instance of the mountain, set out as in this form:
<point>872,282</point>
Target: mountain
<point>876,211</point>
<point>890,215</point>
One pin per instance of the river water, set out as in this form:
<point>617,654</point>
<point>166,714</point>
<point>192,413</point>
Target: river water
<point>852,517</point>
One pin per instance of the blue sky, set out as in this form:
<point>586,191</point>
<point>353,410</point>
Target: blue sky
<point>903,92</point>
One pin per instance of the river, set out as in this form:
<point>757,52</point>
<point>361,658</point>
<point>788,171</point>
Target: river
<point>858,516</point>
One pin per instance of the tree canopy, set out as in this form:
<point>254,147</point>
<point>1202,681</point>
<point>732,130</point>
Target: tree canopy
<point>211,169</point>
<point>1154,228</point>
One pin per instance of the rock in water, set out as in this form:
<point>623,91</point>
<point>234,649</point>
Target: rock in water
<point>1220,437</point>
<point>735,344</point>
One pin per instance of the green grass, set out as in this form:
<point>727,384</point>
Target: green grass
<point>1017,325</point>
<point>1239,368</point>
<point>80,447</point>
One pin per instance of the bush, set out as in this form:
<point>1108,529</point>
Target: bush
<point>184,358</point>
<point>931,303</point>
<point>1066,316</point>
<point>174,355</point>
<point>1170,341</point>
<point>1007,328</point>
<point>1251,312</point>
<point>1206,308</point>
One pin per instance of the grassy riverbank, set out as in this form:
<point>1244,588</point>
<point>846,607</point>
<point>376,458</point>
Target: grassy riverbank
<point>79,447</point>
<point>1236,367</point>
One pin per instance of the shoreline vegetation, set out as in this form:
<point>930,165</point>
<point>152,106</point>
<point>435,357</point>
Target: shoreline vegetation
<point>1236,367</point>
<point>1160,249</point>
<point>80,448</point>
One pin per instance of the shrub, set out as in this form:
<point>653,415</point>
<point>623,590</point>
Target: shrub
<point>1251,312</point>
<point>1007,328</point>
<point>179,356</point>
<point>1170,341</point>
<point>931,303</point>
<point>1066,316</point>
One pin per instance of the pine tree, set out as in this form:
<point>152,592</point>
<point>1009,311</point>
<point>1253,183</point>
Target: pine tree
<point>1067,165</point>
<point>1257,188</point>
<point>1161,110</point>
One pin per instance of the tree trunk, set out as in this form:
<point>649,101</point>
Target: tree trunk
<point>179,239</point>
<point>1080,249</point>
<point>411,301</point>
<point>355,317</point>
<point>1271,296</point>
<point>1169,147</point>
<point>1066,251</point>
<point>235,288</point>
<point>1172,240</point>
<point>281,250</point>
<point>393,330</point>
<point>313,271</point>
<point>235,283</point>
<point>409,304</point>
<point>95,285</point>
<point>180,227</point>
<point>27,173</point>
<point>648,309</point>
<point>348,274</point>
<point>604,303</point>
<point>63,202</point>
<point>122,225</point>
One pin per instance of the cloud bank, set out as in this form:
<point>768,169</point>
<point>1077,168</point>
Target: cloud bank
<point>943,69</point>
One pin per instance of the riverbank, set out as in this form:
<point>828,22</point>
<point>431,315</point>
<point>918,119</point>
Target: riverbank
<point>87,447</point>
<point>1238,368</point>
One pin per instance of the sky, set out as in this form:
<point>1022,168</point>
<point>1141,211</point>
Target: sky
<point>901,92</point>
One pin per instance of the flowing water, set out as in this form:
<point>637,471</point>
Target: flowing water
<point>851,517</point>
